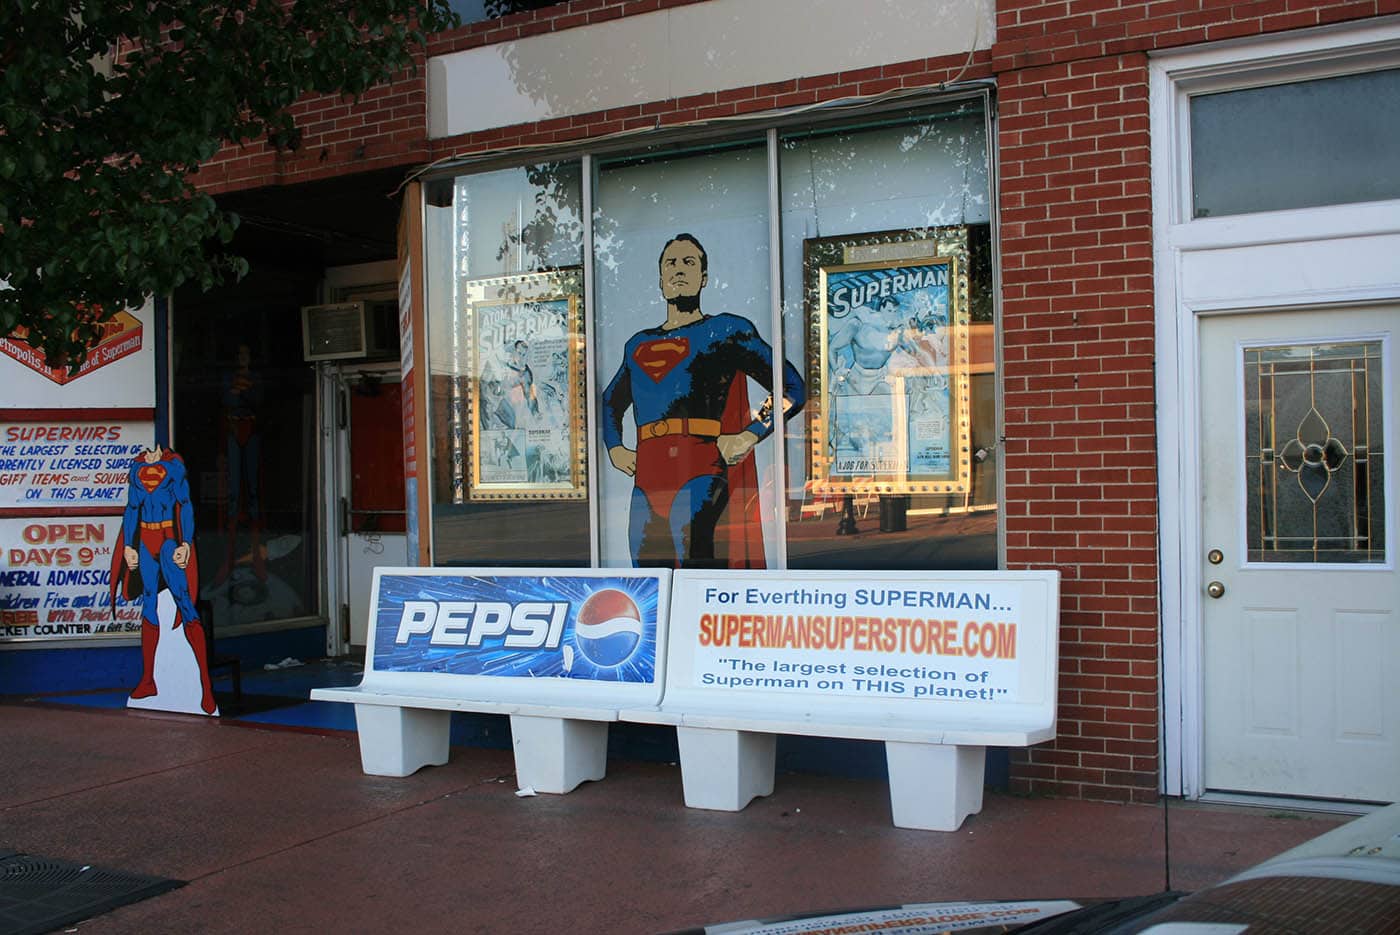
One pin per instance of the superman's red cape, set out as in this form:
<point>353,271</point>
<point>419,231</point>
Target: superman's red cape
<point>742,525</point>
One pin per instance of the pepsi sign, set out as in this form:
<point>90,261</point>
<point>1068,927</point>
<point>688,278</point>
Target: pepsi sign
<point>592,625</point>
<point>530,625</point>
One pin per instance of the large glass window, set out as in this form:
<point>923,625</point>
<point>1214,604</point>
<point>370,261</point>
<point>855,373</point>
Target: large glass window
<point>244,423</point>
<point>684,338</point>
<point>887,297</point>
<point>852,425</point>
<point>1324,142</point>
<point>505,336</point>
<point>475,11</point>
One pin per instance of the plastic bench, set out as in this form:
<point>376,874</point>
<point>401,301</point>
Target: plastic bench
<point>935,746</point>
<point>559,700</point>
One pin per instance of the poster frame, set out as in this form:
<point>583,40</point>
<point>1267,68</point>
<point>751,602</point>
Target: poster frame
<point>826,258</point>
<point>562,290</point>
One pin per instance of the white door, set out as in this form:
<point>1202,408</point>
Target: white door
<point>1301,631</point>
<point>371,496</point>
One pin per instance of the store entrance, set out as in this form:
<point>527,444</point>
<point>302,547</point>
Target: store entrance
<point>367,492</point>
<point>1300,647</point>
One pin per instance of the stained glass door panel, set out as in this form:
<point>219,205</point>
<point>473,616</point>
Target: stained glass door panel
<point>1315,453</point>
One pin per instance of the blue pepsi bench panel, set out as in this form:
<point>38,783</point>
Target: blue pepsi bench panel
<point>559,652</point>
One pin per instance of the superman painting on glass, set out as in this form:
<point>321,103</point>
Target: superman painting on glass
<point>685,381</point>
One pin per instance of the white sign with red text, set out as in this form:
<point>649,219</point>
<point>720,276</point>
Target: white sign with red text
<point>69,464</point>
<point>119,371</point>
<point>970,640</point>
<point>56,579</point>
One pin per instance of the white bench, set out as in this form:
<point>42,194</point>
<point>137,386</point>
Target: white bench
<point>734,679</point>
<point>496,641</point>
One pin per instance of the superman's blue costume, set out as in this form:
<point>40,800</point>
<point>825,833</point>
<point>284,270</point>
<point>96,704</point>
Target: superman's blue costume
<point>686,387</point>
<point>242,398</point>
<point>159,517</point>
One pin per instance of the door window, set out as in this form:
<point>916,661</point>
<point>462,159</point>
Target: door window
<point>1314,453</point>
<point>1298,145</point>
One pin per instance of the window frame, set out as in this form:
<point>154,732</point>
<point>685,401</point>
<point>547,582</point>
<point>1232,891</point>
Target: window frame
<point>590,154</point>
<point>1229,68</point>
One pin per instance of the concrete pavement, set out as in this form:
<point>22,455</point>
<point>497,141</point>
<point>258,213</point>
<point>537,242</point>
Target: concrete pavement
<point>277,830</point>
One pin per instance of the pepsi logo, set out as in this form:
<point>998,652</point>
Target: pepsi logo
<point>609,628</point>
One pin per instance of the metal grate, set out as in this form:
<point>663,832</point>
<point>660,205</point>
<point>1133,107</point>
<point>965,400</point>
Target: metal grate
<point>40,894</point>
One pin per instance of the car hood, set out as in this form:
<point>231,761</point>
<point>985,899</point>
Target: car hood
<point>974,918</point>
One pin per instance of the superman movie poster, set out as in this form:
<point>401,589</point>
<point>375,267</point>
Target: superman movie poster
<point>527,413</point>
<point>892,406</point>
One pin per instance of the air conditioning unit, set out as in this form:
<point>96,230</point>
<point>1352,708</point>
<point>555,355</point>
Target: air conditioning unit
<point>350,331</point>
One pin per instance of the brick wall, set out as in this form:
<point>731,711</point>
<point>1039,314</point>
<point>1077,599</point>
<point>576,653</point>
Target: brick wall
<point>1032,33</point>
<point>1077,384</point>
<point>388,126</point>
<point>1076,251</point>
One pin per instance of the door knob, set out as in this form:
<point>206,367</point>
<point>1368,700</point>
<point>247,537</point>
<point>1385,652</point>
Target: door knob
<point>1215,589</point>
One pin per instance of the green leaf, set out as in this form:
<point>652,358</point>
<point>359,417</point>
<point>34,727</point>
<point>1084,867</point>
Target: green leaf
<point>82,227</point>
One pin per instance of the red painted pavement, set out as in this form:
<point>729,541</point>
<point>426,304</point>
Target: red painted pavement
<point>279,831</point>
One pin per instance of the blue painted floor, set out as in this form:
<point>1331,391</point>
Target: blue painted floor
<point>269,695</point>
<point>280,697</point>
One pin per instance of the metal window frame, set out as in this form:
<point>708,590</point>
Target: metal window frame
<point>773,128</point>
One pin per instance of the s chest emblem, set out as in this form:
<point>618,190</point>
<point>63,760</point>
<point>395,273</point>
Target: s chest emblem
<point>660,357</point>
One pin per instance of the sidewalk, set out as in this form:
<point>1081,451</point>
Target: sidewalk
<point>277,830</point>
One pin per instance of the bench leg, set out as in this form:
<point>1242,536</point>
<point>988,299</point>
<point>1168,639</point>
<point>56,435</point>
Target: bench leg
<point>933,787</point>
<point>724,770</point>
<point>400,741</point>
<point>556,754</point>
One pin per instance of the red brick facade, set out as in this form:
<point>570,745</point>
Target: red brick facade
<point>1077,351</point>
<point>1077,390</point>
<point>1077,300</point>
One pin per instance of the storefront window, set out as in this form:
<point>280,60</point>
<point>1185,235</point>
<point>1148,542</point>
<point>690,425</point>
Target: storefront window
<point>475,11</point>
<point>882,402</point>
<point>887,298</point>
<point>506,318</point>
<point>685,362</point>
<point>244,423</point>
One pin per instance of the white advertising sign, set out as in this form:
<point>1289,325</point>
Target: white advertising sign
<point>56,578</point>
<point>69,464</point>
<point>537,635</point>
<point>119,371</point>
<point>978,639</point>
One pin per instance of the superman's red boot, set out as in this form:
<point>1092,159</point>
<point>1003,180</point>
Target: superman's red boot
<point>194,633</point>
<point>150,636</point>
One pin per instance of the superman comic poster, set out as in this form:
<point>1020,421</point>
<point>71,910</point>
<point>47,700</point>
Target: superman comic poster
<point>527,398</point>
<point>891,367</point>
